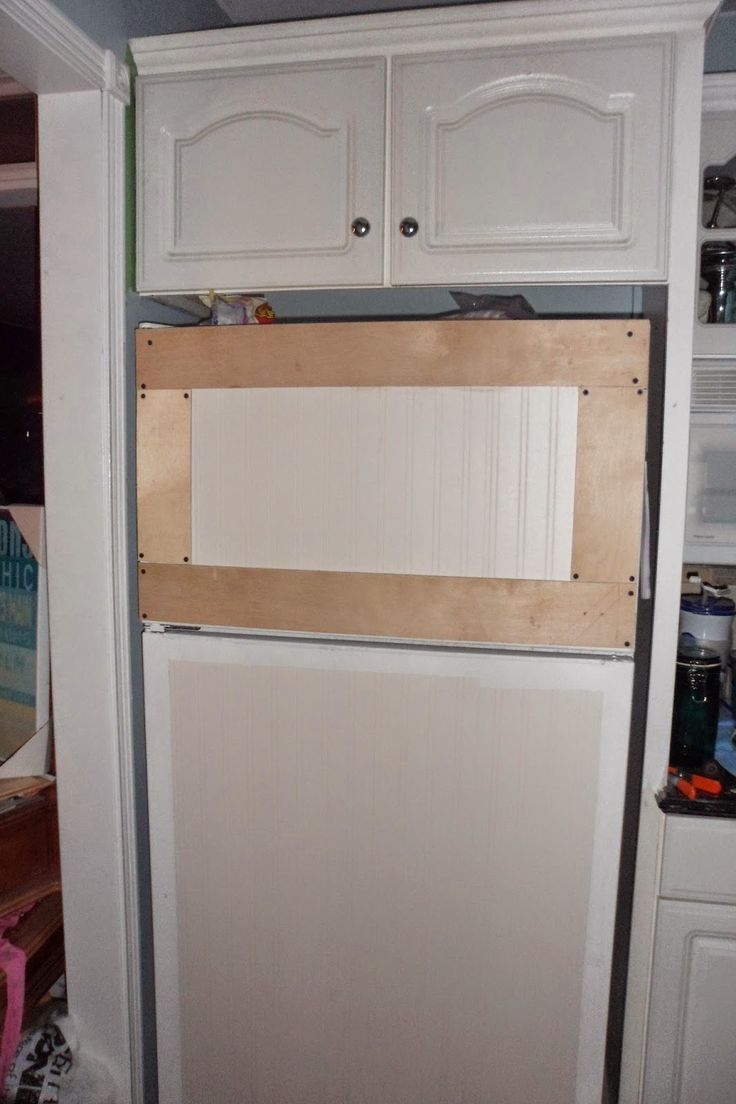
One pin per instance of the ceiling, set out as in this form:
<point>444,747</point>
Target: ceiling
<point>255,11</point>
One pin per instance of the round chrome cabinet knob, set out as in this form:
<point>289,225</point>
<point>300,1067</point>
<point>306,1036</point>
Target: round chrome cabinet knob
<point>408,227</point>
<point>360,227</point>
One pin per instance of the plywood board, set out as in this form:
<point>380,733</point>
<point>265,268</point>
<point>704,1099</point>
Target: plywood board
<point>476,482</point>
<point>608,353</point>
<point>322,535</point>
<point>598,615</point>
<point>24,787</point>
<point>164,476</point>
<point>17,725</point>
<point>609,490</point>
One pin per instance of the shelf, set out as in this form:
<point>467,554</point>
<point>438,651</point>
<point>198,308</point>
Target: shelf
<point>714,339</point>
<point>718,233</point>
<point>41,935</point>
<point>19,185</point>
<point>29,846</point>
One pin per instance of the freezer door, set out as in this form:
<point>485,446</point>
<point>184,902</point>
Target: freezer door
<point>382,875</point>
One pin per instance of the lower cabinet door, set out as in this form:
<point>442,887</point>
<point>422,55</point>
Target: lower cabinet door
<point>692,1019</point>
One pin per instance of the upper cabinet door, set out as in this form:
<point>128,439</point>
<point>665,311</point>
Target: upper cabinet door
<point>266,177</point>
<point>547,164</point>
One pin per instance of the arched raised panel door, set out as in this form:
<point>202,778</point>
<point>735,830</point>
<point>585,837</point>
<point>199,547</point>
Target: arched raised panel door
<point>254,179</point>
<point>692,1008</point>
<point>547,165</point>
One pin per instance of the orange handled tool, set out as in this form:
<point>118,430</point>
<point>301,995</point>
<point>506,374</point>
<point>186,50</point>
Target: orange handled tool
<point>686,788</point>
<point>689,784</point>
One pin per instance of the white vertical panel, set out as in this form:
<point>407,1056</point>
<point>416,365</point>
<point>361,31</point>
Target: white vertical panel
<point>439,481</point>
<point>382,874</point>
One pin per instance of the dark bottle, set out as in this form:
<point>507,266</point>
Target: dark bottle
<point>695,716</point>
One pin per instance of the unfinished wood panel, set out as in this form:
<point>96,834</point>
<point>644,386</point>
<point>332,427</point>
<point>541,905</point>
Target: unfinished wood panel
<point>396,606</point>
<point>609,353</point>
<point>164,462</point>
<point>377,928</point>
<point>17,724</point>
<point>452,481</point>
<point>609,490</point>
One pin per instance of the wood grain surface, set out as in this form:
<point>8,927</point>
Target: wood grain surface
<point>609,484</point>
<point>599,352</point>
<point>500,611</point>
<point>164,476</point>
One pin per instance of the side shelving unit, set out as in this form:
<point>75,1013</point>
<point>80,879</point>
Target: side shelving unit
<point>718,147</point>
<point>691,994</point>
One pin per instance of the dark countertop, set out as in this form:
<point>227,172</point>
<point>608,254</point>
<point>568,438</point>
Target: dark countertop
<point>670,801</point>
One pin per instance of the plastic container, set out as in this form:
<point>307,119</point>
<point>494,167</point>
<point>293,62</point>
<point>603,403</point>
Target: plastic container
<point>695,714</point>
<point>708,619</point>
<point>718,269</point>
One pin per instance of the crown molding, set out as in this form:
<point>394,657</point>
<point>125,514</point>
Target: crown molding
<point>67,44</point>
<point>499,24</point>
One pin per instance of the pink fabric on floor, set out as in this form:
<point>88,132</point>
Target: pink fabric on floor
<point>13,962</point>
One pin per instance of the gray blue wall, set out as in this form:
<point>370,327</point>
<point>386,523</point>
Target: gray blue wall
<point>720,50</point>
<point>112,22</point>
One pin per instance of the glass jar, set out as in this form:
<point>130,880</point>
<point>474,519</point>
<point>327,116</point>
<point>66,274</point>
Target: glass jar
<point>695,715</point>
<point>718,269</point>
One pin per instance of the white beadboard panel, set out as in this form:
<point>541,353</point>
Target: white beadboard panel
<point>425,481</point>
<point>370,880</point>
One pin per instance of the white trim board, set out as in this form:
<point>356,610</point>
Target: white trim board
<point>84,588</point>
<point>682,264</point>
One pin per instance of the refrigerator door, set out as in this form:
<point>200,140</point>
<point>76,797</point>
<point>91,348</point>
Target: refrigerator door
<point>382,874</point>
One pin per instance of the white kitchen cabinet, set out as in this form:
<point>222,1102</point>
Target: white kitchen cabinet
<point>717,148</point>
<point>692,1009</point>
<point>533,164</point>
<point>691,1020</point>
<point>254,179</point>
<point>541,161</point>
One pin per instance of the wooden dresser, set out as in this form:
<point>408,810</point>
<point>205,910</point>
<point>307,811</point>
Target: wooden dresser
<point>29,872</point>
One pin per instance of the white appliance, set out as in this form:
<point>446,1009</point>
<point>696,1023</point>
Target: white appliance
<point>710,528</point>
<point>382,867</point>
<point>388,668</point>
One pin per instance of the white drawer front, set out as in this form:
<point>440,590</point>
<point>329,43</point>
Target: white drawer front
<point>699,862</point>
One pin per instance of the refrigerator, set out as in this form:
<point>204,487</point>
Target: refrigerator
<point>388,576</point>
